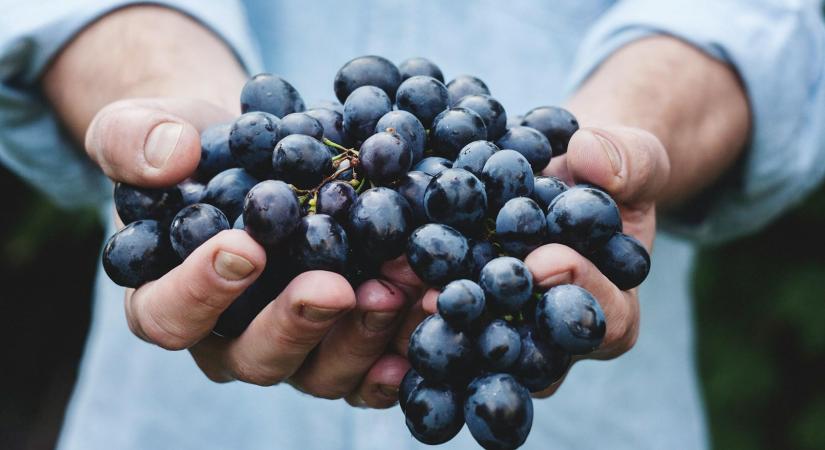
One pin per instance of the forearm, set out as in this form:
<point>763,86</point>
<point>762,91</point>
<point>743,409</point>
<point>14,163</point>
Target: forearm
<point>693,103</point>
<point>142,51</point>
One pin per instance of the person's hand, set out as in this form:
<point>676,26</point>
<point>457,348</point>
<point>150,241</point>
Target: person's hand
<point>319,334</point>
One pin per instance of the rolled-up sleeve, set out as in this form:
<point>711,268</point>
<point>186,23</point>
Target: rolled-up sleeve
<point>32,142</point>
<point>778,49</point>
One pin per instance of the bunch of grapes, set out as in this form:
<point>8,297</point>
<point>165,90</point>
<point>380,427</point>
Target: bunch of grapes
<point>405,166</point>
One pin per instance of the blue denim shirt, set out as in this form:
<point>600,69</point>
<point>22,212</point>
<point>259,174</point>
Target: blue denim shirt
<point>131,395</point>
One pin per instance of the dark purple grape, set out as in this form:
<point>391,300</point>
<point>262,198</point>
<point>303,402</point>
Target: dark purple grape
<point>227,191</point>
<point>454,128</point>
<point>539,364</point>
<point>138,203</point>
<point>514,121</point>
<point>482,252</point>
<point>457,198</point>
<point>300,123</point>
<point>191,191</point>
<point>464,85</point>
<point>498,411</point>
<point>461,303</point>
<point>490,110</point>
<point>545,189</point>
<point>520,227</point>
<point>319,243</point>
<point>408,384</point>
<point>434,413</point>
<point>251,140</point>
<point>583,218</point>
<point>556,124</point>
<point>571,318</point>
<point>272,94</point>
<point>380,221</point>
<point>194,225</point>
<point>474,155</point>
<point>384,158</point>
<point>623,260</point>
<point>332,121</point>
<point>439,352</point>
<point>332,105</point>
<point>507,284</point>
<point>438,254</point>
<point>498,346</point>
<point>366,71</point>
<point>412,186</point>
<point>409,128</point>
<point>506,175</point>
<point>138,253</point>
<point>215,154</point>
<point>271,212</point>
<point>420,66</point>
<point>335,198</point>
<point>424,97</point>
<point>302,161</point>
<point>362,110</point>
<point>433,165</point>
<point>530,143</point>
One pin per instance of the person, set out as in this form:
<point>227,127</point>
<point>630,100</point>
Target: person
<point>706,112</point>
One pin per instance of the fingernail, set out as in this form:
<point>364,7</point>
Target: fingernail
<point>611,153</point>
<point>379,321</point>
<point>161,143</point>
<point>315,314</point>
<point>389,391</point>
<point>232,267</point>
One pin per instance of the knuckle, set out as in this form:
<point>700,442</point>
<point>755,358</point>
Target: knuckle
<point>323,389</point>
<point>256,374</point>
<point>163,333</point>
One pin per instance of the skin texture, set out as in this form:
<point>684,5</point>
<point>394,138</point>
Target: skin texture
<point>144,66</point>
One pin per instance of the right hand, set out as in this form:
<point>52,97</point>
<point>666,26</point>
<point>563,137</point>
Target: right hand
<point>319,335</point>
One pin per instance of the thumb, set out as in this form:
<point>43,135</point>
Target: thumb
<point>630,163</point>
<point>150,142</point>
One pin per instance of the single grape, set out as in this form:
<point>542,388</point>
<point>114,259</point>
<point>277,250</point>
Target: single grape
<point>227,191</point>
<point>384,158</point>
<point>408,384</point>
<point>332,105</point>
<point>138,203</point>
<point>507,284</point>
<point>424,97</point>
<point>380,221</point>
<point>490,110</point>
<point>454,128</point>
<point>251,139</point>
<point>191,191</point>
<point>481,252</point>
<point>271,212</point>
<point>520,227</point>
<point>539,364</point>
<point>434,413</point>
<point>498,345</point>
<point>332,121</point>
<point>545,189</point>
<point>506,175</point>
<point>498,411</point>
<point>433,165</point>
<point>335,198</point>
<point>530,143</point>
<point>474,155</point>
<point>301,160</point>
<point>556,124</point>
<point>457,198</point>
<point>138,253</point>
<point>300,123</point>
<point>623,260</point>
<point>272,94</point>
<point>419,66</point>
<point>366,71</point>
<point>319,243</point>
<point>571,318</point>
<point>412,187</point>
<point>464,85</point>
<point>461,303</point>
<point>439,352</point>
<point>194,225</point>
<point>438,254</point>
<point>215,154</point>
<point>583,218</point>
<point>409,128</point>
<point>362,110</point>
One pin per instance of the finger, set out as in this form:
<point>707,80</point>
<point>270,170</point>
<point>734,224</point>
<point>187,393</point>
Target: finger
<point>631,164</point>
<point>558,168</point>
<point>279,339</point>
<point>556,264</point>
<point>400,274</point>
<point>414,316</point>
<point>182,307</point>
<point>150,142</point>
<point>380,386</point>
<point>338,364</point>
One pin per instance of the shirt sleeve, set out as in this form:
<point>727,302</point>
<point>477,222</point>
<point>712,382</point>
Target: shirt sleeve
<point>32,142</point>
<point>778,49</point>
